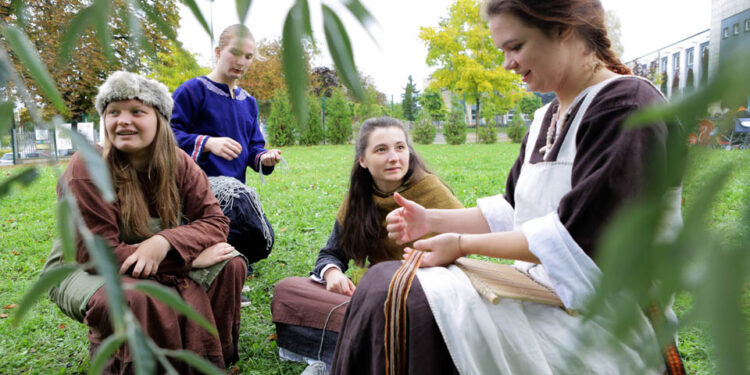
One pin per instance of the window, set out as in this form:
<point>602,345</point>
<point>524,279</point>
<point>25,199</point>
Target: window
<point>664,64</point>
<point>676,62</point>
<point>689,58</point>
<point>736,29</point>
<point>725,33</point>
<point>747,25</point>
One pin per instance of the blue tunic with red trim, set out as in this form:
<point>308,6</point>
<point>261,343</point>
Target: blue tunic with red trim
<point>203,109</point>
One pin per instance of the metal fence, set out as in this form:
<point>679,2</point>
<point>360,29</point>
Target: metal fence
<point>44,144</point>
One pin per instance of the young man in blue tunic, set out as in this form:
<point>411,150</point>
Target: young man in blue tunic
<point>215,121</point>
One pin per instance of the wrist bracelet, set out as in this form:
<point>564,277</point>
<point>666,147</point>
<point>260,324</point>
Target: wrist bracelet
<point>459,245</point>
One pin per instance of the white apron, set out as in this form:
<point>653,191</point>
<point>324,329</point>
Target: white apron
<point>515,337</point>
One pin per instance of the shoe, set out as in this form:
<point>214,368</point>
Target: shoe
<point>244,301</point>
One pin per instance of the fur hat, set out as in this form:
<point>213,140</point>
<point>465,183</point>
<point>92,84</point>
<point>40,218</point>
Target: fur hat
<point>125,85</point>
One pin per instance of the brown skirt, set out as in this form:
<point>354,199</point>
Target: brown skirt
<point>220,304</point>
<point>361,348</point>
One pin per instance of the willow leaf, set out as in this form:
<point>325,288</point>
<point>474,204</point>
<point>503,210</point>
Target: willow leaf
<point>104,352</point>
<point>66,228</point>
<point>50,278</point>
<point>143,357</point>
<point>26,177</point>
<point>106,266</point>
<point>95,165</point>
<point>341,51</point>
<point>243,7</point>
<point>195,360</point>
<point>6,116</point>
<point>198,15</point>
<point>294,62</point>
<point>173,300</point>
<point>26,53</point>
<point>78,25</point>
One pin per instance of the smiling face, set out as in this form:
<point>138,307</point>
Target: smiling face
<point>131,128</point>
<point>386,157</point>
<point>529,52</point>
<point>233,60</point>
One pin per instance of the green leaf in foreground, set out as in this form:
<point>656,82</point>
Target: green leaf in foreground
<point>6,116</point>
<point>143,357</point>
<point>198,15</point>
<point>106,266</point>
<point>66,228</point>
<point>26,177</point>
<point>77,26</point>
<point>341,51</point>
<point>173,300</point>
<point>105,350</point>
<point>24,51</point>
<point>42,285</point>
<point>195,360</point>
<point>243,6</point>
<point>294,62</point>
<point>94,164</point>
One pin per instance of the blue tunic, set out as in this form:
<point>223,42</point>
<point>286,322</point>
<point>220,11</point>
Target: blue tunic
<point>202,109</point>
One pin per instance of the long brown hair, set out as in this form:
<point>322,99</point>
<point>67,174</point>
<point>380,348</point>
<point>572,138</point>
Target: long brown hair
<point>585,17</point>
<point>363,231</point>
<point>134,201</point>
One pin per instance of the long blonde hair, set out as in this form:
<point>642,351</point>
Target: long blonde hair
<point>161,171</point>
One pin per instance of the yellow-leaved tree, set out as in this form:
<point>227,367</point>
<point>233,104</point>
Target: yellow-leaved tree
<point>467,61</point>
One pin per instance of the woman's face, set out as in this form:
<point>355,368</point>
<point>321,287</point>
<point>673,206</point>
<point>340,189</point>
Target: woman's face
<point>386,157</point>
<point>234,59</point>
<point>131,127</point>
<point>536,57</point>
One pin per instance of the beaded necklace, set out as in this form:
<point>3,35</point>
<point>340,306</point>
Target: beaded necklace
<point>553,132</point>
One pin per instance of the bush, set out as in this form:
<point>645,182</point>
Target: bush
<point>338,119</point>
<point>424,130</point>
<point>281,121</point>
<point>311,133</point>
<point>488,133</point>
<point>454,129</point>
<point>517,128</point>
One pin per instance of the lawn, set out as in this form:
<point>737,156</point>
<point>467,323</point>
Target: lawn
<point>301,204</point>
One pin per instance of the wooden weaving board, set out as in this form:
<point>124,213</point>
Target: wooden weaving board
<point>495,281</point>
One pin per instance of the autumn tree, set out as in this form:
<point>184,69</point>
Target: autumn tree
<point>78,77</point>
<point>409,100</point>
<point>266,74</point>
<point>176,66</point>
<point>467,61</point>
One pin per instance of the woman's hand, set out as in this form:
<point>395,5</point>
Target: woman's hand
<point>271,157</point>
<point>443,249</point>
<point>224,147</point>
<point>147,257</point>
<point>408,222</point>
<point>337,282</point>
<point>213,254</point>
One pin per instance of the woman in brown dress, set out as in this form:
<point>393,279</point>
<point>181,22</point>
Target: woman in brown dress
<point>164,226</point>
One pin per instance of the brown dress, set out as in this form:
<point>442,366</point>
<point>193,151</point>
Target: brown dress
<point>204,225</point>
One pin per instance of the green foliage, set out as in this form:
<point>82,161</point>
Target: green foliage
<point>529,104</point>
<point>338,119</point>
<point>409,100</point>
<point>424,131</point>
<point>280,124</point>
<point>175,67</point>
<point>487,133</point>
<point>454,130</point>
<point>517,128</point>
<point>432,103</point>
<point>311,133</point>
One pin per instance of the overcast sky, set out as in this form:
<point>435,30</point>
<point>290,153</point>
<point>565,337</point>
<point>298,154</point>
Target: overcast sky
<point>646,25</point>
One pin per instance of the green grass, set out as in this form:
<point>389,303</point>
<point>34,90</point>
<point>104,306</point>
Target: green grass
<point>301,204</point>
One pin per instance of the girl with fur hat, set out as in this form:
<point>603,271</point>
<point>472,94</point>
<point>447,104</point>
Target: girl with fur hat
<point>165,226</point>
